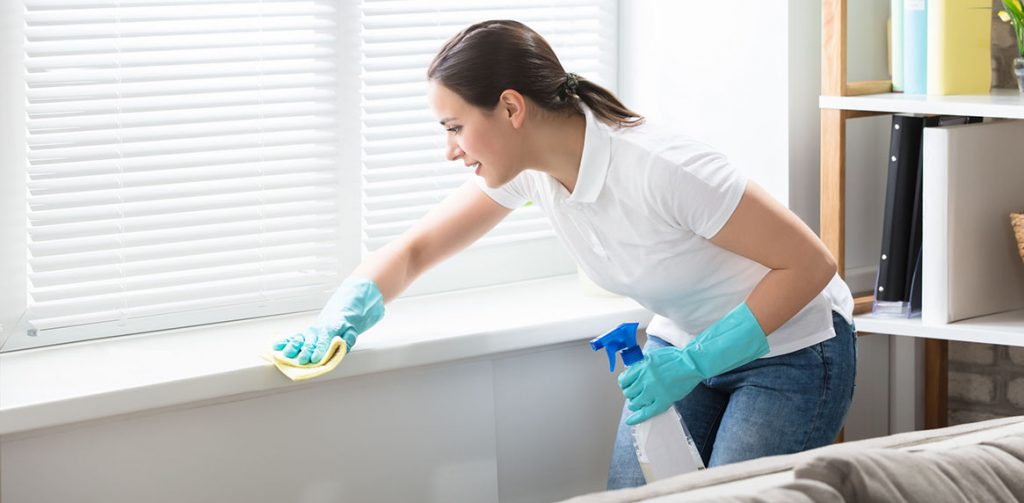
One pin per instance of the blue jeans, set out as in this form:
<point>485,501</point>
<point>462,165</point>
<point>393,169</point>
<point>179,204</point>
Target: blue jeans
<point>770,406</point>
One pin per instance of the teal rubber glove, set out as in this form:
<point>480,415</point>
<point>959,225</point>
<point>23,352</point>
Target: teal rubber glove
<point>353,308</point>
<point>668,374</point>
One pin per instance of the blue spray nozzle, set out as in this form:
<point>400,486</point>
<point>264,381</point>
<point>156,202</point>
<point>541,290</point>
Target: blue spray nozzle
<point>621,340</point>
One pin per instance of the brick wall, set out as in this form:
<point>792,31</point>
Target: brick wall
<point>985,382</point>
<point>1004,49</point>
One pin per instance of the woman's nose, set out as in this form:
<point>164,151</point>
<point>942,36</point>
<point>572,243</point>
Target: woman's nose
<point>452,151</point>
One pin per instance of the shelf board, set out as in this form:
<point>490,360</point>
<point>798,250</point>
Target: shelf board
<point>1005,328</point>
<point>1000,103</point>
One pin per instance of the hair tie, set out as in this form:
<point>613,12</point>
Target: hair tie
<point>571,82</point>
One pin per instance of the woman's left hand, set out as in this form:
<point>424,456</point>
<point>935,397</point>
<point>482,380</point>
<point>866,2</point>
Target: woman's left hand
<point>664,377</point>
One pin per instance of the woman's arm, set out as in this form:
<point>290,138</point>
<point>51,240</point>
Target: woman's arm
<point>462,218</point>
<point>763,230</point>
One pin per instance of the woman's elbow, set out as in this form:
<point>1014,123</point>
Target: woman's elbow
<point>827,267</point>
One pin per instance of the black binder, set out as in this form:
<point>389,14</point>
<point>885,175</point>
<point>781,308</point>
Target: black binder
<point>893,279</point>
<point>915,288</point>
<point>916,222</point>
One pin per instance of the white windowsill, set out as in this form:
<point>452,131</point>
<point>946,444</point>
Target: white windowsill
<point>52,386</point>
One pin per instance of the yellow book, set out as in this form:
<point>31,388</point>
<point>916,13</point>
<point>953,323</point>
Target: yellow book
<point>959,47</point>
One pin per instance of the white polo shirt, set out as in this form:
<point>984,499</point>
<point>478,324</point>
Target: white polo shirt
<point>639,221</point>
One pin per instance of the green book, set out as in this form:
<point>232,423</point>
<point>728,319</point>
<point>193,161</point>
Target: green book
<point>896,44</point>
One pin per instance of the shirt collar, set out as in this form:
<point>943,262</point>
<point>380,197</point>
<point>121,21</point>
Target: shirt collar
<point>594,162</point>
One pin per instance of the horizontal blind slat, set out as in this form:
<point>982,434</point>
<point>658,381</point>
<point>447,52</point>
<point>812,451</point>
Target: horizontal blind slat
<point>172,206</point>
<point>136,319</point>
<point>211,10</point>
<point>175,42</point>
<point>169,229</point>
<point>262,127</point>
<point>206,159</point>
<point>232,233</point>
<point>181,190</point>
<point>54,183</point>
<point>154,28</point>
<point>92,4</point>
<point>173,146</point>
<point>174,117</point>
<point>300,92</point>
<point>180,57</point>
<point>152,281</point>
<point>167,265</point>
<point>175,72</point>
<point>172,86</point>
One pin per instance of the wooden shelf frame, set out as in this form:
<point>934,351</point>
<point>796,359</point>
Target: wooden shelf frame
<point>833,184</point>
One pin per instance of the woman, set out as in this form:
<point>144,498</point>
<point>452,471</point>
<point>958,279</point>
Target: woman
<point>752,340</point>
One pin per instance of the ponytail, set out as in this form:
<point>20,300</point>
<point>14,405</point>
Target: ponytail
<point>601,102</point>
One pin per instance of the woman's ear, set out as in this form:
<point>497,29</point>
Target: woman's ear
<point>512,106</point>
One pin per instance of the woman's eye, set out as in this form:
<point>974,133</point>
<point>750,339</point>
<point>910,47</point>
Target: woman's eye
<point>454,129</point>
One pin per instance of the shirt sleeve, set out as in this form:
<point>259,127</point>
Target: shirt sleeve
<point>697,191</point>
<point>511,195</point>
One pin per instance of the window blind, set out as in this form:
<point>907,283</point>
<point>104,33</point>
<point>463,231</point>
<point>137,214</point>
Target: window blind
<point>182,161</point>
<point>405,172</point>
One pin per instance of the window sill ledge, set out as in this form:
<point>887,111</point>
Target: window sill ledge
<point>58,385</point>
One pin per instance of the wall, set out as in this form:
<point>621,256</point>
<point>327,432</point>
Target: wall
<point>534,425</point>
<point>700,68</point>
<point>985,381</point>
<point>1004,49</point>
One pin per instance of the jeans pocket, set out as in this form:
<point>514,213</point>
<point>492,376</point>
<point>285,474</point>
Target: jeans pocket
<point>819,349</point>
<point>845,329</point>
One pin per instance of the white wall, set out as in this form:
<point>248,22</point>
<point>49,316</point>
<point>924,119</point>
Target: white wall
<point>715,73</point>
<point>528,426</point>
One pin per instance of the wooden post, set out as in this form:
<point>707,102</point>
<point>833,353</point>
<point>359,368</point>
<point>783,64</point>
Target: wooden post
<point>833,131</point>
<point>936,384</point>
<point>833,136</point>
<point>833,47</point>
<point>833,185</point>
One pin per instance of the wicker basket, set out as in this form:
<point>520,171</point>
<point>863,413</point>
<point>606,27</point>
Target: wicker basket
<point>1017,219</point>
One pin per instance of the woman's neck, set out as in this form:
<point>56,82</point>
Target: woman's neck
<point>558,144</point>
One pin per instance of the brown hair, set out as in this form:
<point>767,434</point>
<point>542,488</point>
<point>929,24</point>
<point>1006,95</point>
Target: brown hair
<point>485,59</point>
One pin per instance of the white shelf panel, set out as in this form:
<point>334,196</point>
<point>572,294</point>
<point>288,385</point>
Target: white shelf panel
<point>1002,328</point>
<point>1000,103</point>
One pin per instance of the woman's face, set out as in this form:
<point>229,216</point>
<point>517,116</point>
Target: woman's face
<point>487,139</point>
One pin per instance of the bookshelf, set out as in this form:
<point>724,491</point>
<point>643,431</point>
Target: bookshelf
<point>1005,328</point>
<point>841,101</point>
<point>1000,103</point>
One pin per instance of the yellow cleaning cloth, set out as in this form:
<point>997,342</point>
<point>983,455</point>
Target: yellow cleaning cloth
<point>297,372</point>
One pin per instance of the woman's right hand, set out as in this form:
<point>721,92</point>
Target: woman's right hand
<point>355,307</point>
<point>309,345</point>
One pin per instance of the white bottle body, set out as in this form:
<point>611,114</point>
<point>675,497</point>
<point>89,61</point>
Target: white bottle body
<point>664,447</point>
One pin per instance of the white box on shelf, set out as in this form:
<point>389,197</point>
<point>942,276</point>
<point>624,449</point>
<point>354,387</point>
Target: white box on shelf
<point>973,179</point>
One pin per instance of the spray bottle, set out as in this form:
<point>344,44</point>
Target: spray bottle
<point>663,445</point>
